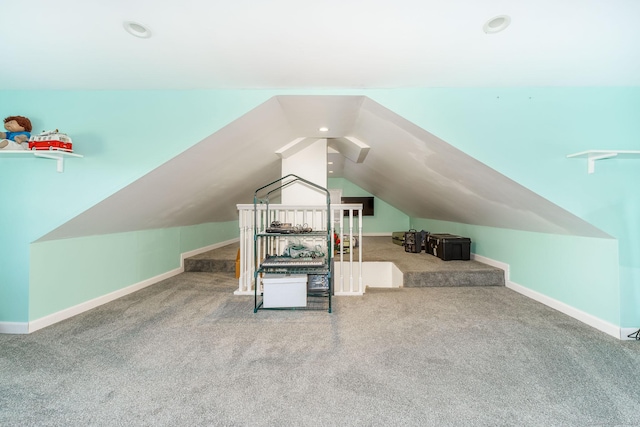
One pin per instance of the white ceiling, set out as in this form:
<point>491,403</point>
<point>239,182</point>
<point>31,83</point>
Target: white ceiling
<point>80,44</point>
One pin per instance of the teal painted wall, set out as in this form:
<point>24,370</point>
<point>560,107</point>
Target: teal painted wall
<point>385,219</point>
<point>524,133</point>
<point>122,136</point>
<point>579,271</point>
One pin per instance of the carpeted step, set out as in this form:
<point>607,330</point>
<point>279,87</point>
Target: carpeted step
<point>484,277</point>
<point>216,260</point>
<point>209,265</point>
<point>419,269</point>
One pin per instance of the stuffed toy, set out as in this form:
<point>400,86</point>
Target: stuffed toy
<point>18,134</point>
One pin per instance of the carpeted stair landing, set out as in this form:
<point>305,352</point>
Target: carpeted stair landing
<point>422,269</point>
<point>419,270</point>
<point>221,260</point>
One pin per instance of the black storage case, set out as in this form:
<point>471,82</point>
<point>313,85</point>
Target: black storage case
<point>449,247</point>
<point>414,241</point>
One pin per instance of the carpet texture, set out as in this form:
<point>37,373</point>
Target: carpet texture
<point>187,352</point>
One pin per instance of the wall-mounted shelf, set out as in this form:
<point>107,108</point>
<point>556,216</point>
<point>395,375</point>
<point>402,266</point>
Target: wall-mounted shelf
<point>593,155</point>
<point>58,156</point>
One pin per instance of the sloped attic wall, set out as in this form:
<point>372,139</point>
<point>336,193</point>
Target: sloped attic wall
<point>191,189</point>
<point>445,183</point>
<point>202,184</point>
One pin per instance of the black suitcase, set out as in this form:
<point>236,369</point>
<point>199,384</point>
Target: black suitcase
<point>414,241</point>
<point>449,247</point>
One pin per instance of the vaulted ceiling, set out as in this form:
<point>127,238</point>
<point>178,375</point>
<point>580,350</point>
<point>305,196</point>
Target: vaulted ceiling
<point>405,165</point>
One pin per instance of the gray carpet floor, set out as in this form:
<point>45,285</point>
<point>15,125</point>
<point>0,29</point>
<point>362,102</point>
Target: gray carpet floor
<point>187,352</point>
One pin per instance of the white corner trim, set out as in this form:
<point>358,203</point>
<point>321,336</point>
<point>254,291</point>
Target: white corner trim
<point>594,322</point>
<point>17,328</point>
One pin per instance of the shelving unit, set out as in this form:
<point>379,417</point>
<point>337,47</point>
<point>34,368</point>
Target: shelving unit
<point>313,264</point>
<point>594,155</point>
<point>58,156</point>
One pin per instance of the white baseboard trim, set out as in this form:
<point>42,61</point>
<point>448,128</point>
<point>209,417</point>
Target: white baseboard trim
<point>493,263</point>
<point>67,313</point>
<point>580,315</point>
<point>17,328</point>
<point>594,322</point>
<point>32,326</point>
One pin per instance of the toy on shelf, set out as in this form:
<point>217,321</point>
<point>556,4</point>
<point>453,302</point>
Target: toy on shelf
<point>18,128</point>
<point>51,140</point>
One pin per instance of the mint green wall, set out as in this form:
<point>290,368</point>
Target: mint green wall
<point>385,219</point>
<point>68,272</point>
<point>524,133</point>
<point>121,134</point>
<point>579,271</point>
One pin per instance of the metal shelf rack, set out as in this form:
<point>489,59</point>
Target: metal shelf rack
<point>314,266</point>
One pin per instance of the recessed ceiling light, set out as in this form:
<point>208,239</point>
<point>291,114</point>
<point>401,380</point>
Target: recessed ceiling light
<point>136,29</point>
<point>324,129</point>
<point>496,24</point>
<point>329,163</point>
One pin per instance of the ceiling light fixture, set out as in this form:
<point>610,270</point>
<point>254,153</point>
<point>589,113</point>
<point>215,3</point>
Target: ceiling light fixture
<point>324,129</point>
<point>137,30</point>
<point>496,24</point>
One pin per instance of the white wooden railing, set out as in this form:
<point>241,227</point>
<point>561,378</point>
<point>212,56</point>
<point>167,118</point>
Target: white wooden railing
<point>348,268</point>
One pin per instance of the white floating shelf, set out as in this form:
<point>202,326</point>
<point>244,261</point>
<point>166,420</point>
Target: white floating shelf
<point>56,155</point>
<point>593,155</point>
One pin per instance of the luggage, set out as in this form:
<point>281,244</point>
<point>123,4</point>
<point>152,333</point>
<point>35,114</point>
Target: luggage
<point>397,237</point>
<point>449,247</point>
<point>414,241</point>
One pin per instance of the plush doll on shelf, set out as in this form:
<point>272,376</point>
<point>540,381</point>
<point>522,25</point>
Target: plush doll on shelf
<point>18,133</point>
